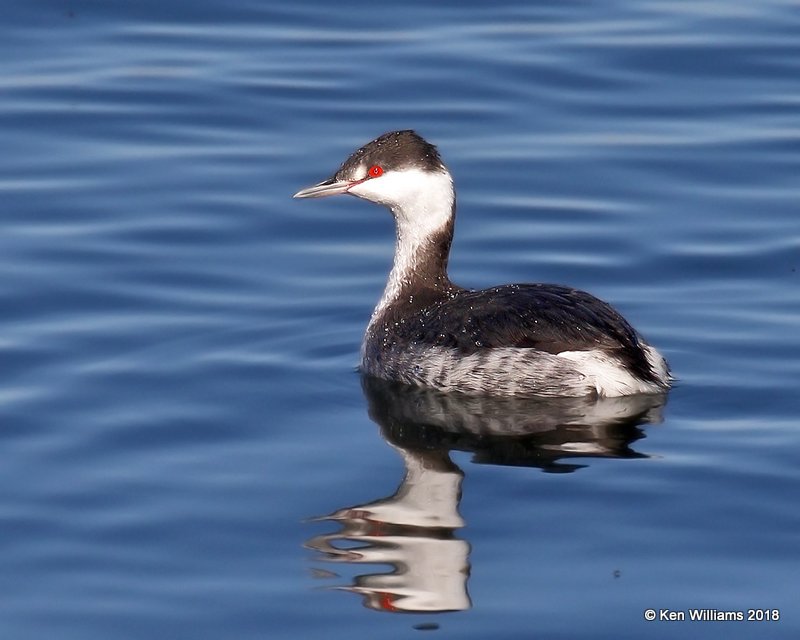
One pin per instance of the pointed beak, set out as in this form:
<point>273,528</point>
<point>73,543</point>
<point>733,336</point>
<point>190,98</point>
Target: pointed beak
<point>329,187</point>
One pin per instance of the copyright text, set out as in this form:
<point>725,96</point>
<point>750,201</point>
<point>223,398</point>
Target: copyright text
<point>712,615</point>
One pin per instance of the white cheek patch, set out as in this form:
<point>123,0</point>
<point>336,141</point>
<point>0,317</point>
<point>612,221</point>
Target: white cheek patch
<point>421,201</point>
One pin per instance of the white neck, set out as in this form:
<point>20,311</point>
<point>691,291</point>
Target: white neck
<point>422,205</point>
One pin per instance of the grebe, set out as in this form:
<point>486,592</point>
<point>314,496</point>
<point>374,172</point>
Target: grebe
<point>531,339</point>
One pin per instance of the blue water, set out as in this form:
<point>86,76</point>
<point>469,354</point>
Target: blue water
<point>188,451</point>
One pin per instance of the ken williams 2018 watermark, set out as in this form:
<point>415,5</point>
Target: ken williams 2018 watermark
<point>712,615</point>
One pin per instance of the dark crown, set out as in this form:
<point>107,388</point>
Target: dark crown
<point>394,151</point>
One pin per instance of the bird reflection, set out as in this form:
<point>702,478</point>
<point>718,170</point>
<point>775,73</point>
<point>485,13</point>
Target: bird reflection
<point>414,530</point>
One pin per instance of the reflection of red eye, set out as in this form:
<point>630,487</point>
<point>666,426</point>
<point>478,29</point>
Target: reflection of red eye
<point>375,171</point>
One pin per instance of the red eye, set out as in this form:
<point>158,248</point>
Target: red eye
<point>375,171</point>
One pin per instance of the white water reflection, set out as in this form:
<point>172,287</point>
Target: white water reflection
<point>414,531</point>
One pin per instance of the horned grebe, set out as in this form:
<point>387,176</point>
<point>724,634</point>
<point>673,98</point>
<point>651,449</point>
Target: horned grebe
<point>536,339</point>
